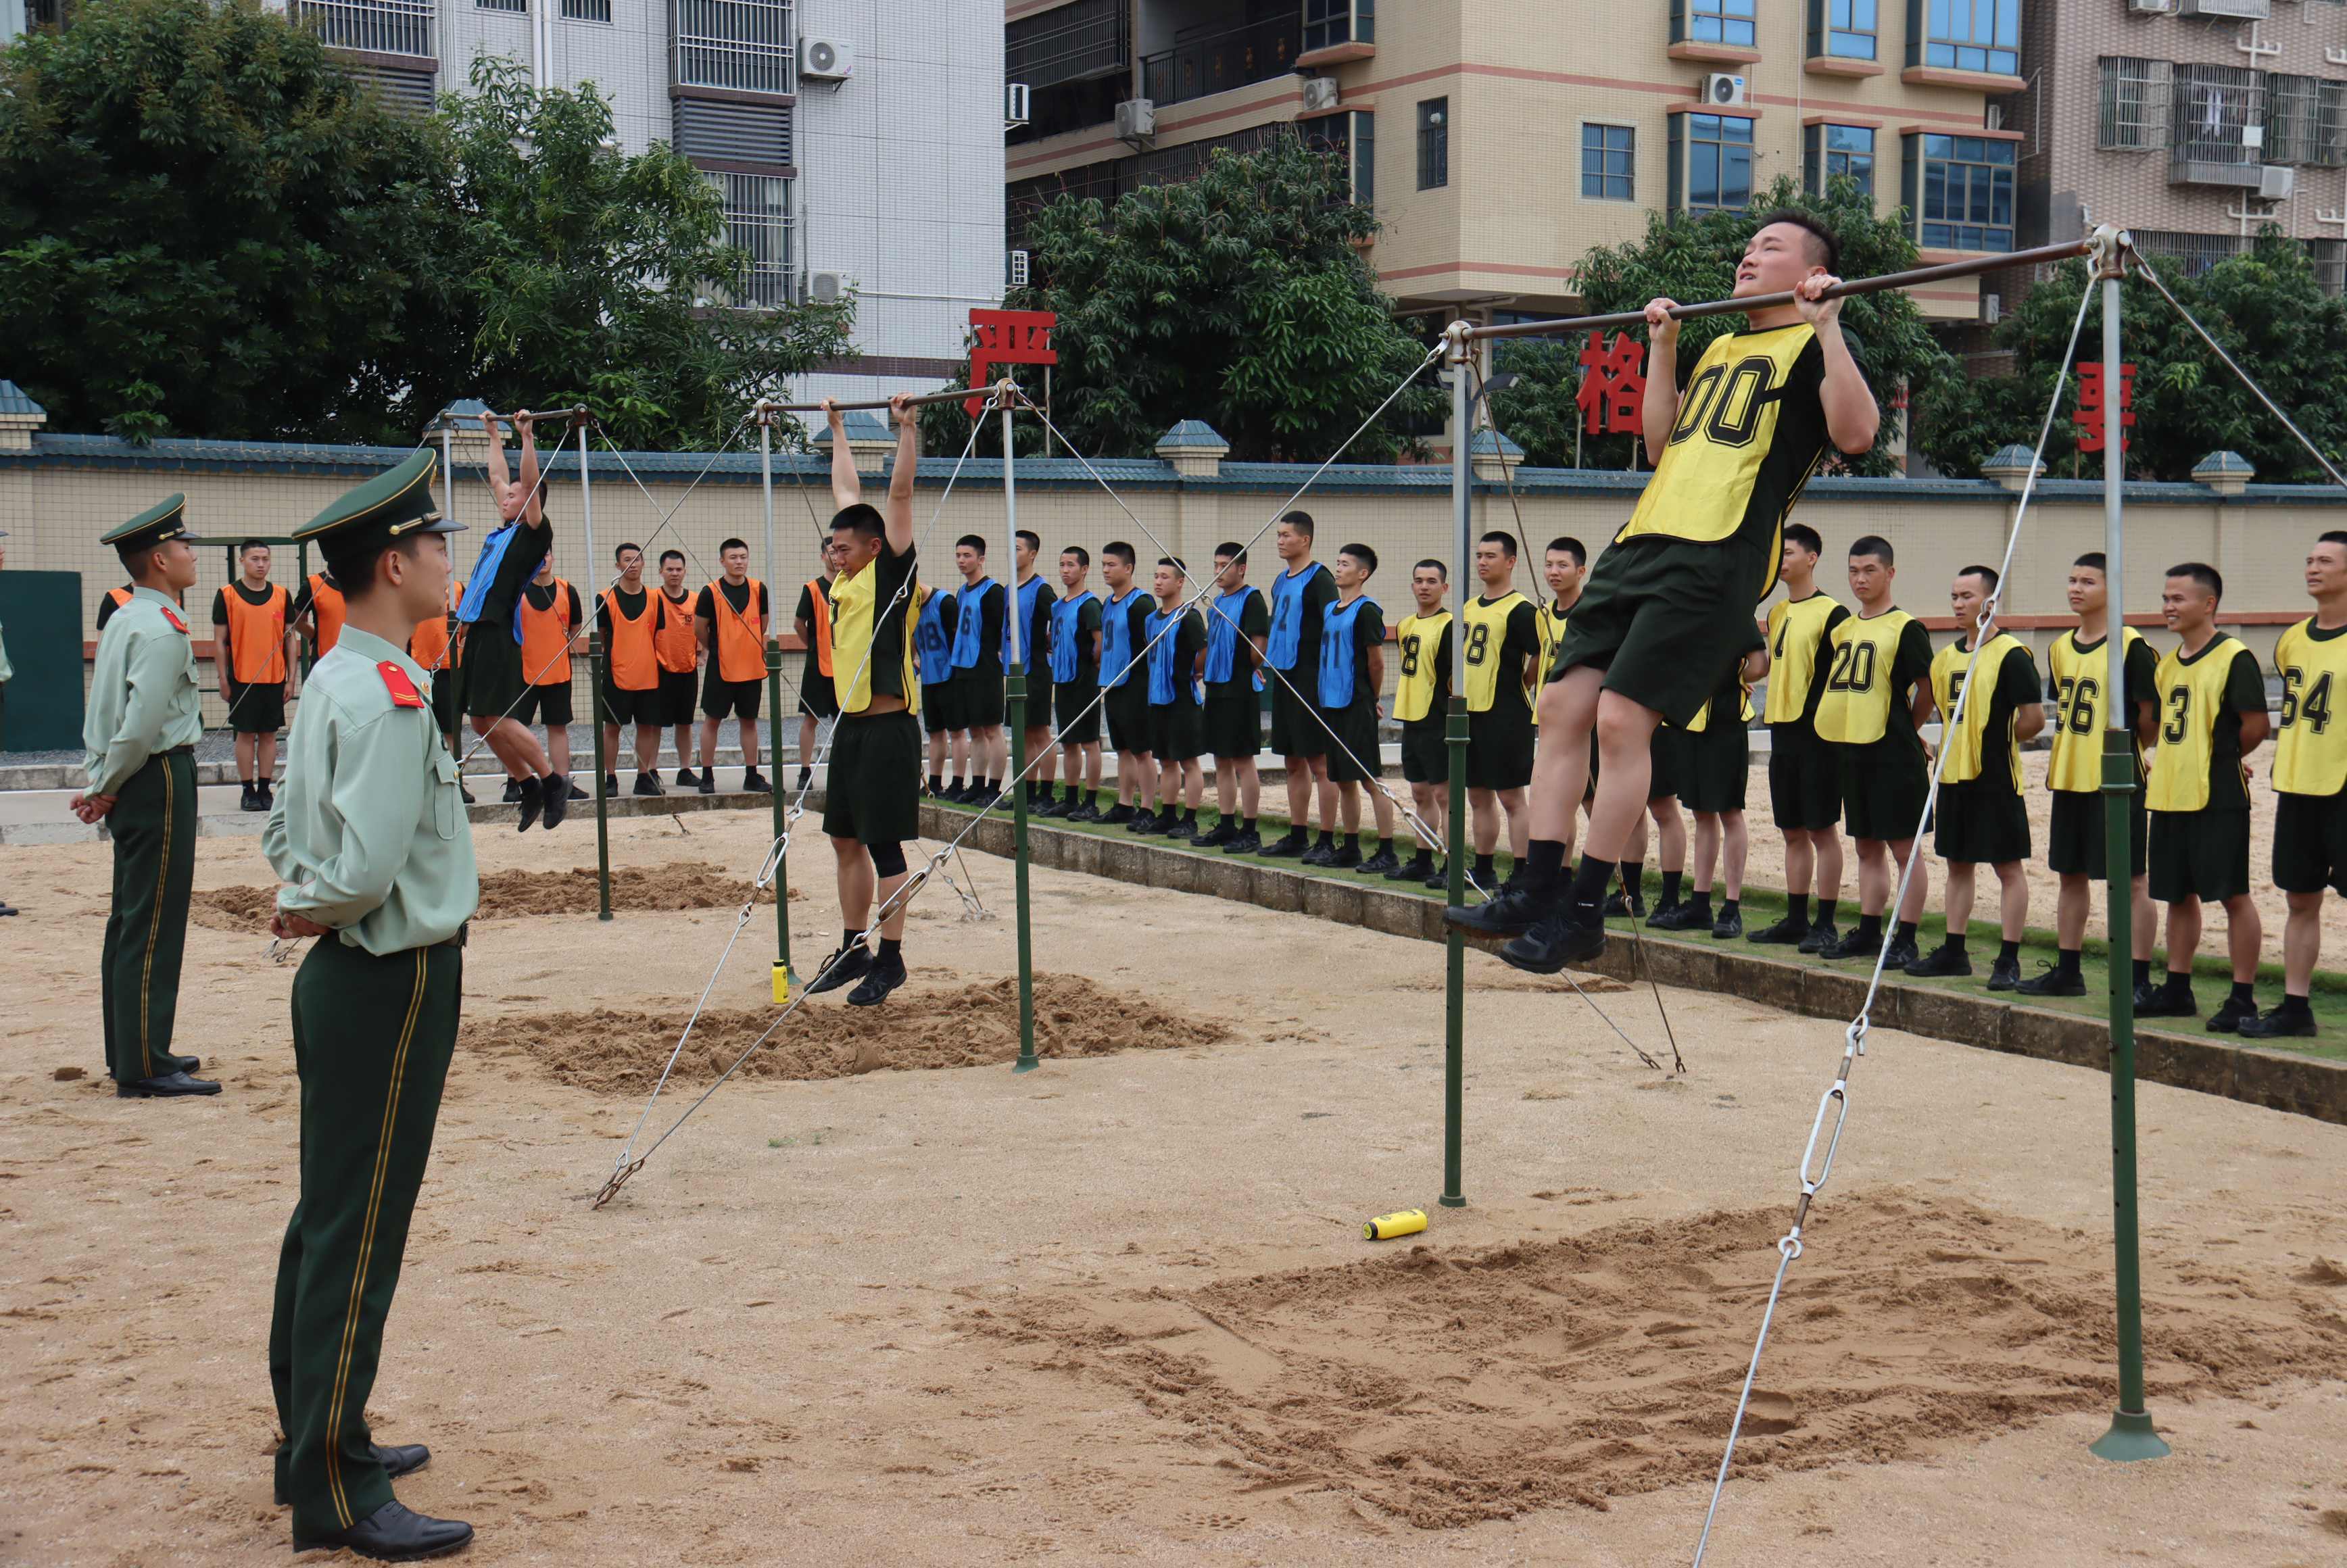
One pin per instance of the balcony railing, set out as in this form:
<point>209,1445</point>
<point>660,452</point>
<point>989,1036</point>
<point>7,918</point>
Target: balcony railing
<point>375,26</point>
<point>1253,53</point>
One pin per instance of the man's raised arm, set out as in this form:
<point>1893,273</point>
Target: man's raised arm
<point>900,478</point>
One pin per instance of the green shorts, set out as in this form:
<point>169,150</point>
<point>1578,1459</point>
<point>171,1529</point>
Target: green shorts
<point>1804,780</point>
<point>2201,855</point>
<point>1981,822</point>
<point>1079,714</point>
<point>1234,720</point>
<point>1126,708</point>
<point>493,673</point>
<point>1666,761</point>
<point>1356,760</point>
<point>1666,619</point>
<point>1177,731</point>
<point>1500,742</point>
<point>2074,844</point>
<point>941,707</point>
<point>1296,727</point>
<point>873,794</point>
<point>2309,845</point>
<point>1884,783</point>
<point>1718,760</point>
<point>1425,752</point>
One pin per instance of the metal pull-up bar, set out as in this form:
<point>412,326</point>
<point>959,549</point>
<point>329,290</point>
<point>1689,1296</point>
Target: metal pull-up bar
<point>448,421</point>
<point>952,394</point>
<point>1972,267</point>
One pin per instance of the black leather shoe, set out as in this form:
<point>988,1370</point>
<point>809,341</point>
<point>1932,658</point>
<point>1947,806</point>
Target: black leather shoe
<point>647,784</point>
<point>2004,975</point>
<point>1682,916</point>
<point>2053,982</point>
<point>837,971</point>
<point>876,984</point>
<point>2278,1023</point>
<point>555,796</point>
<point>172,1064</point>
<point>1729,924</point>
<point>2231,1015</point>
<point>1554,944</point>
<point>1248,842</point>
<point>466,795</point>
<point>1510,914</point>
<point>1821,935</point>
<point>1941,961</point>
<point>2158,1001</point>
<point>396,1459</point>
<point>393,1535</point>
<point>1288,847</point>
<point>1784,933</point>
<point>165,1086</point>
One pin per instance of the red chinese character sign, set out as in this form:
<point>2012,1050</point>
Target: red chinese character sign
<point>1006,337</point>
<point>2090,405</point>
<point>1612,385</point>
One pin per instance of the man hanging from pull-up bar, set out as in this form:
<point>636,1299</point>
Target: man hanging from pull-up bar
<point>1668,609</point>
<point>494,680</point>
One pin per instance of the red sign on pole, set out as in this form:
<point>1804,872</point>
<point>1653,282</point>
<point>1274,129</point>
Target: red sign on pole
<point>1612,385</point>
<point>2090,405</point>
<point>1007,337</point>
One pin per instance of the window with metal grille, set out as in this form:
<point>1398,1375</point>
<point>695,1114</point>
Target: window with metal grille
<point>2213,108</point>
<point>377,27</point>
<point>1609,162</point>
<point>586,10</point>
<point>1961,189</point>
<point>1328,23</point>
<point>518,7</point>
<point>1844,29</point>
<point>2329,259</point>
<point>2189,255</point>
<point>2134,107</point>
<point>1433,143</point>
<point>758,224</point>
<point>2293,120</point>
<point>1349,141</point>
<point>744,44</point>
<point>1966,34</point>
<point>1838,152</point>
<point>1714,21</point>
<point>1072,44</point>
<point>1711,163</point>
<point>2330,125</point>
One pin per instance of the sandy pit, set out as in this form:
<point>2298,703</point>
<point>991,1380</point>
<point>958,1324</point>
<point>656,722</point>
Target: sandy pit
<point>1120,1308</point>
<point>506,894</point>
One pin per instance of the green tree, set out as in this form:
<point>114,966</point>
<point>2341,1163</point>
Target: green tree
<point>602,278</point>
<point>1239,298</point>
<point>2264,305</point>
<point>1692,259</point>
<point>207,229</point>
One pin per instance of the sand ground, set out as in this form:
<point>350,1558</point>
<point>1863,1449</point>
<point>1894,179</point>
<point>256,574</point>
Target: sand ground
<point>871,1308</point>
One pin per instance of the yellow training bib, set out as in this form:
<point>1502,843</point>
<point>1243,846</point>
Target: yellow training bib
<point>1485,627</point>
<point>2310,758</point>
<point>1797,630</point>
<point>1964,747</point>
<point>2191,695</point>
<point>2081,717</point>
<point>1856,707</point>
<point>1418,639</point>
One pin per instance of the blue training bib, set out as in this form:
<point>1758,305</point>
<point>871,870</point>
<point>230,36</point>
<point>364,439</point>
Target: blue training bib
<point>1116,640</point>
<point>1067,627</point>
<point>1337,652</point>
<point>1287,638</point>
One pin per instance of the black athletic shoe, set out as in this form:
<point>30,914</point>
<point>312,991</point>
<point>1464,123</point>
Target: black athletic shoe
<point>1119,813</point>
<point>1176,828</point>
<point>1821,935</point>
<point>533,800</point>
<point>1939,962</point>
<point>837,970</point>
<point>1084,811</point>
<point>1248,842</point>
<point>647,783</point>
<point>2054,982</point>
<point>1051,807</point>
<point>1438,878</point>
<point>1384,863</point>
<point>2231,1015</point>
<point>1850,945</point>
<point>1345,857</point>
<point>1146,824</point>
<point>1784,933</point>
<point>610,785</point>
<point>875,986</point>
<point>466,793</point>
<point>1420,867</point>
<point>557,801</point>
<point>513,792</point>
<point>755,782</point>
<point>1729,924</point>
<point>1511,914</point>
<point>1288,847</point>
<point>684,779</point>
<point>572,792</point>
<point>707,783</point>
<point>393,1535</point>
<point>1618,906</point>
<point>1903,952</point>
<point>2157,1001</point>
<point>2004,975</point>
<point>1318,855</point>
<point>2276,1024</point>
<point>1554,944</point>
<point>248,798</point>
<point>1682,916</point>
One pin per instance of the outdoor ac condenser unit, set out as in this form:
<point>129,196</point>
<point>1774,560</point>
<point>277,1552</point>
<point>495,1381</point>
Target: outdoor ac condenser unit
<point>2276,181</point>
<point>1721,90</point>
<point>1319,93</point>
<point>824,288</point>
<point>826,60</point>
<point>1136,121</point>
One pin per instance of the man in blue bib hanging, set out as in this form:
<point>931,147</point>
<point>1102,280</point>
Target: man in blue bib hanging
<point>494,681</point>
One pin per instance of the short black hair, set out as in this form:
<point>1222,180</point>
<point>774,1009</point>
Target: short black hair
<point>1874,545</point>
<point>1987,574</point>
<point>1572,547</point>
<point>668,556</point>
<point>1231,551</point>
<point>2334,537</point>
<point>251,544</point>
<point>2095,558</point>
<point>1806,536</point>
<point>1826,253</point>
<point>2204,574</point>
<point>131,555</point>
<point>975,542</point>
<point>1301,521</point>
<point>1083,557</point>
<point>354,570</point>
<point>1502,538</point>
<point>1120,549</point>
<point>1175,562</point>
<point>1033,541</point>
<point>620,554</point>
<point>861,518</point>
<point>1365,554</point>
<point>1436,563</point>
<point>738,544</point>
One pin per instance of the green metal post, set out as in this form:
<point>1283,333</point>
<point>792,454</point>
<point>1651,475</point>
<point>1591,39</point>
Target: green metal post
<point>784,976</point>
<point>595,695</point>
<point>1454,956</point>
<point>1014,692</point>
<point>2131,1436</point>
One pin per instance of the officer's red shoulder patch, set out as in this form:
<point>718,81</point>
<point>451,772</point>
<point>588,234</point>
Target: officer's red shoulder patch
<point>403,690</point>
<point>177,625</point>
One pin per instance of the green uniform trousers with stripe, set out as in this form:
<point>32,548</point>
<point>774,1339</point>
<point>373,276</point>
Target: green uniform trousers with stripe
<point>154,827</point>
<point>372,1040</point>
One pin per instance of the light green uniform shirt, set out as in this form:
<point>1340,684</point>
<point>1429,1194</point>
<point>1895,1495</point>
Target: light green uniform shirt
<point>7,670</point>
<point>143,696</point>
<point>370,835</point>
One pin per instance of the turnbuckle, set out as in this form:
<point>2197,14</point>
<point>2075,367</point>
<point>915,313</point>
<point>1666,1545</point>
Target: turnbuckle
<point>619,1179</point>
<point>1839,1091</point>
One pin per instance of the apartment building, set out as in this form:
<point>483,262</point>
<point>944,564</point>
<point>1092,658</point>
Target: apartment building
<point>1499,139</point>
<point>2192,122</point>
<point>856,143</point>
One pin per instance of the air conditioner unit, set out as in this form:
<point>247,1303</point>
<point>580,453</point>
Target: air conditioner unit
<point>1136,121</point>
<point>1319,93</point>
<point>1993,117</point>
<point>1992,309</point>
<point>826,60</point>
<point>1016,102</point>
<point>2231,10</point>
<point>2276,181</point>
<point>824,288</point>
<point>2152,7</point>
<point>1015,275</point>
<point>1721,90</point>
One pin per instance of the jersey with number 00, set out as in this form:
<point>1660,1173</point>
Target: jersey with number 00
<point>2076,678</point>
<point>2310,757</point>
<point>1856,707</point>
<point>1749,434</point>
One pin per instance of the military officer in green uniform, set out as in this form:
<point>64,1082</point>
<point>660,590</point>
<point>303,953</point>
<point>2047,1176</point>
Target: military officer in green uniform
<point>371,841</point>
<point>6,675</point>
<point>142,733</point>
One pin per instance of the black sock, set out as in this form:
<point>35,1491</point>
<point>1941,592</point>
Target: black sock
<point>1248,824</point>
<point>1485,872</point>
<point>1385,846</point>
<point>1730,907</point>
<point>2295,1007</point>
<point>1671,886</point>
<point>1190,817</point>
<point>1589,884</point>
<point>2142,971</point>
<point>1352,843</point>
<point>993,785</point>
<point>936,784</point>
<point>1700,899</point>
<point>1907,930</point>
<point>2066,962</point>
<point>1826,911</point>
<point>1295,835</point>
<point>529,787</point>
<point>1543,865</point>
<point>2243,994</point>
<point>1869,930</point>
<point>1797,908</point>
<point>892,950</point>
<point>2179,985</point>
<point>1634,878</point>
<point>2008,952</point>
<point>1328,839</point>
<point>849,938</point>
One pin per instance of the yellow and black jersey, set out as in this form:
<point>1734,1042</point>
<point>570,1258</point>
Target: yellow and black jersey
<point>2075,674</point>
<point>1702,720</point>
<point>1871,672</point>
<point>870,639</point>
<point>1553,622</point>
<point>1797,630</point>
<point>2310,757</point>
<point>2004,681</point>
<point>1500,633</point>
<point>1422,690</point>
<point>1750,432</point>
<point>2202,697</point>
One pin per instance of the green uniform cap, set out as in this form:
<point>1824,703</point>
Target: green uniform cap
<point>166,519</point>
<point>391,506</point>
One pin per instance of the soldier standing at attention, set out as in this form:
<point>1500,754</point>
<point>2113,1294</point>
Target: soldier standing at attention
<point>376,855</point>
<point>254,654</point>
<point>6,675</point>
<point>141,733</point>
